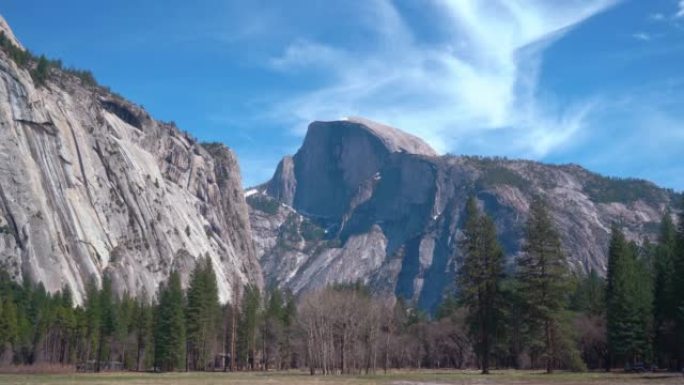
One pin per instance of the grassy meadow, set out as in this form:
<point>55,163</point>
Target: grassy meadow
<point>301,378</point>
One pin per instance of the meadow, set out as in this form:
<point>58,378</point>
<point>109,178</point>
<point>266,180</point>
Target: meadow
<point>302,378</point>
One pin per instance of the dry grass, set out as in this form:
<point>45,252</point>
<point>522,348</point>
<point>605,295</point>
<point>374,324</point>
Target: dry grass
<point>300,378</point>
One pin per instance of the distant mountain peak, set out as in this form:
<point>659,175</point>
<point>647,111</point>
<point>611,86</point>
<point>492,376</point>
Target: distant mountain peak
<point>393,138</point>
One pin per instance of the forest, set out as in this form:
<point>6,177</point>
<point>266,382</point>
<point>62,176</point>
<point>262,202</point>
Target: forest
<point>537,313</point>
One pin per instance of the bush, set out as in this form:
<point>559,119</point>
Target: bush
<point>41,72</point>
<point>310,231</point>
<point>263,203</point>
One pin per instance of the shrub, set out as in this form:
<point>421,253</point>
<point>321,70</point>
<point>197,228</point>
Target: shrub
<point>263,203</point>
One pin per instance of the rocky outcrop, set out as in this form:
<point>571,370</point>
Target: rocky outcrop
<point>363,202</point>
<point>90,185</point>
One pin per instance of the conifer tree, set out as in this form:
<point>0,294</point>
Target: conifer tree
<point>92,320</point>
<point>665,292</point>
<point>8,324</point>
<point>169,336</point>
<point>679,285</point>
<point>142,324</point>
<point>628,301</point>
<point>589,296</point>
<point>202,314</point>
<point>544,280</point>
<point>479,279</point>
<point>247,325</point>
<point>108,319</point>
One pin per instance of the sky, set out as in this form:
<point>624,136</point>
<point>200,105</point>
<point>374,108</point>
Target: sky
<point>598,83</point>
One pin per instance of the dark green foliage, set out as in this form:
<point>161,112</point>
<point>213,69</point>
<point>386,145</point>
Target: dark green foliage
<point>310,231</point>
<point>248,326</point>
<point>665,293</point>
<point>606,190</point>
<point>142,327</point>
<point>19,56</point>
<point>169,335</point>
<point>108,321</point>
<point>494,172</point>
<point>263,203</point>
<point>543,279</point>
<point>202,315</point>
<point>41,72</point>
<point>589,295</point>
<point>40,67</point>
<point>678,284</point>
<point>448,307</point>
<point>479,278</point>
<point>628,301</point>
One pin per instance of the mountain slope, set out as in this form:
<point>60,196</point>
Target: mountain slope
<point>359,201</point>
<point>91,184</point>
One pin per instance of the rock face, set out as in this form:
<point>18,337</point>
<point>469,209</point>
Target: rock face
<point>91,184</point>
<point>364,202</point>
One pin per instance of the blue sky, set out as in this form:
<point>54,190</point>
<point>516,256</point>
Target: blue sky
<point>593,82</point>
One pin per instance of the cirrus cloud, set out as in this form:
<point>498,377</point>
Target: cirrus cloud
<point>475,84</point>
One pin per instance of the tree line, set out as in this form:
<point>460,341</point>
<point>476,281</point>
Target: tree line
<point>535,313</point>
<point>538,314</point>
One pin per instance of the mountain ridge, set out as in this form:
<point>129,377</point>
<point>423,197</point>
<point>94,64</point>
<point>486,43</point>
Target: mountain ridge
<point>396,219</point>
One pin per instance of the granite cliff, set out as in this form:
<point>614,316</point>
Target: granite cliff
<point>90,184</point>
<point>361,201</point>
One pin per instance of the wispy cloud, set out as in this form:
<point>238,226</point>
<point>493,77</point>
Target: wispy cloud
<point>680,10</point>
<point>656,16</point>
<point>481,78</point>
<point>643,36</point>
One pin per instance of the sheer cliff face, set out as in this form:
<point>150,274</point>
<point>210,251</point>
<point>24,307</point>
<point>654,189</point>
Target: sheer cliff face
<point>90,184</point>
<point>364,202</point>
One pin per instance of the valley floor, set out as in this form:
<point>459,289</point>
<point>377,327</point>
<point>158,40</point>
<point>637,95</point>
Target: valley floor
<point>301,378</point>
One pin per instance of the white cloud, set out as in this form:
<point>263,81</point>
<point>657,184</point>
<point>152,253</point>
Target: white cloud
<point>641,36</point>
<point>480,79</point>
<point>656,17</point>
<point>302,54</point>
<point>680,11</point>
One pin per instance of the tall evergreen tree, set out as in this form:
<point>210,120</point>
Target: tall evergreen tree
<point>247,326</point>
<point>679,285</point>
<point>108,319</point>
<point>92,321</point>
<point>628,301</point>
<point>479,279</point>
<point>142,324</point>
<point>169,336</point>
<point>665,293</point>
<point>589,295</point>
<point>202,314</point>
<point>544,280</point>
<point>8,324</point>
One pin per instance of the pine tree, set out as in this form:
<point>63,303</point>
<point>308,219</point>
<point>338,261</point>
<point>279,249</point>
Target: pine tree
<point>589,295</point>
<point>142,321</point>
<point>41,72</point>
<point>628,301</point>
<point>169,336</point>
<point>108,319</point>
<point>479,279</point>
<point>247,325</point>
<point>8,324</point>
<point>679,285</point>
<point>544,280</point>
<point>92,320</point>
<point>665,292</point>
<point>202,314</point>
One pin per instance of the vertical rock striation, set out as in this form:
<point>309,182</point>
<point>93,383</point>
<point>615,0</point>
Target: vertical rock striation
<point>90,184</point>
